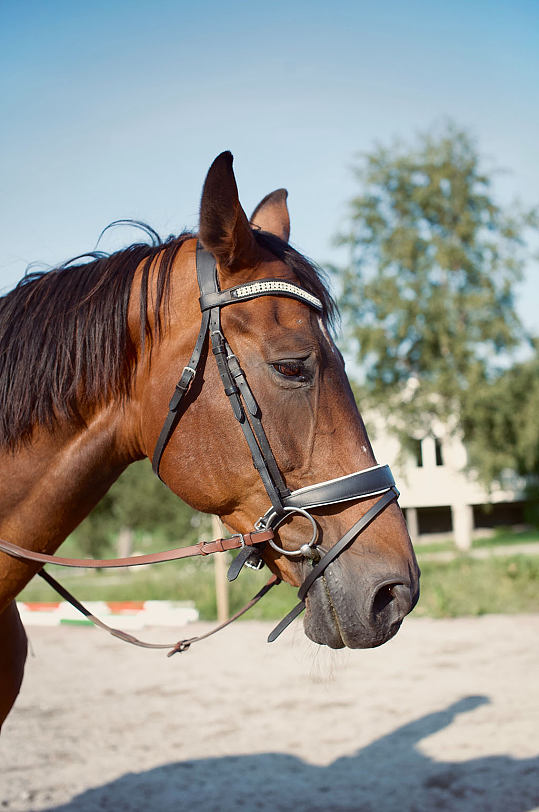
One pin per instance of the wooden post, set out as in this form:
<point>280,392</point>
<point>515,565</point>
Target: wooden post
<point>412,522</point>
<point>463,524</point>
<point>221,582</point>
<point>125,542</point>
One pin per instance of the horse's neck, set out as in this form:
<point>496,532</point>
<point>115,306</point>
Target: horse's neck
<point>53,483</point>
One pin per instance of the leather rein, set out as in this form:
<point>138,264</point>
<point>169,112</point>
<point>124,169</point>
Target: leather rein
<point>364,484</point>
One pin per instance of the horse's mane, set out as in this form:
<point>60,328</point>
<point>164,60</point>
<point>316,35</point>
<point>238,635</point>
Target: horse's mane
<point>64,342</point>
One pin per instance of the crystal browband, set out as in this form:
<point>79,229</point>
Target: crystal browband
<point>252,290</point>
<point>275,286</point>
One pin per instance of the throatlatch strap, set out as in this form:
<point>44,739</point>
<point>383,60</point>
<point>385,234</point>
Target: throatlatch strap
<point>183,385</point>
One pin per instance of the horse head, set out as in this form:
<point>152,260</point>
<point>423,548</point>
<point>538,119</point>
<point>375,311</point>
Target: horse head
<point>298,383</point>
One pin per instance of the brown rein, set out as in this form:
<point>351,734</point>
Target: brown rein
<point>202,548</point>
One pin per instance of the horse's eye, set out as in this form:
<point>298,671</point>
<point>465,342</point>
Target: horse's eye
<point>291,369</point>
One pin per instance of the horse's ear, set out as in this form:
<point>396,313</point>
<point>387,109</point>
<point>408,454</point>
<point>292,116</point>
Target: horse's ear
<point>271,214</point>
<point>224,228</point>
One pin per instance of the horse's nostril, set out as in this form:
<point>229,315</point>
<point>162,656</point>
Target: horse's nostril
<point>382,598</point>
<point>394,593</point>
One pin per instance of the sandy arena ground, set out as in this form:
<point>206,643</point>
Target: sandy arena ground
<point>444,717</point>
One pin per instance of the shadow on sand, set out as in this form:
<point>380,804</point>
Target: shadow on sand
<point>389,774</point>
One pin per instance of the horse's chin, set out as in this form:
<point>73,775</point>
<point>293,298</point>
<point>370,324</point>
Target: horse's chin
<point>323,629</point>
<point>327,626</point>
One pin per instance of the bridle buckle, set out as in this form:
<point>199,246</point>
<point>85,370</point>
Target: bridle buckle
<point>255,561</point>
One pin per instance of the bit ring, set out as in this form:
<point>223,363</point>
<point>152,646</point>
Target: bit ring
<point>304,547</point>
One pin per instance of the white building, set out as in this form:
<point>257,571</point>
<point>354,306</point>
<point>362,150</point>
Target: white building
<point>438,494</point>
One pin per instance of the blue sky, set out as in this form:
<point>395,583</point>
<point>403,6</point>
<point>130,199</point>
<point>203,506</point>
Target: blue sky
<point>116,109</point>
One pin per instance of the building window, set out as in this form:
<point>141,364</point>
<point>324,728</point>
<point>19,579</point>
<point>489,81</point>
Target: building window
<point>438,451</point>
<point>418,446</point>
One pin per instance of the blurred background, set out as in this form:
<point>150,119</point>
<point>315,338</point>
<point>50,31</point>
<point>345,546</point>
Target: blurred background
<point>406,134</point>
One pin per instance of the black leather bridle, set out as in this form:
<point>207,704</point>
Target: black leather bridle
<point>365,484</point>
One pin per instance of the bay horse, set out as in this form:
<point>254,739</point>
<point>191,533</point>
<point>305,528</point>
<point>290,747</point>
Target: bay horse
<point>89,356</point>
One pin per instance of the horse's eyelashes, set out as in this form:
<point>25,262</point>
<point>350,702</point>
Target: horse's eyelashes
<point>291,369</point>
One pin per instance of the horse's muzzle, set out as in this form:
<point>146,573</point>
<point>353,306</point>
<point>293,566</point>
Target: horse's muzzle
<point>334,620</point>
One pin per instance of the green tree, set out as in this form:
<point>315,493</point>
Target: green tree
<point>501,420</point>
<point>143,503</point>
<point>94,537</point>
<point>427,296</point>
<point>138,501</point>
